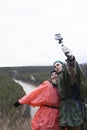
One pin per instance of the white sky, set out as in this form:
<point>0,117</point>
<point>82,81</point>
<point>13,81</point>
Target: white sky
<point>27,29</point>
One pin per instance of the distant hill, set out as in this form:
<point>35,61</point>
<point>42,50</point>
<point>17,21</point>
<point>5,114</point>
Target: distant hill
<point>84,68</point>
<point>31,74</point>
<point>34,74</point>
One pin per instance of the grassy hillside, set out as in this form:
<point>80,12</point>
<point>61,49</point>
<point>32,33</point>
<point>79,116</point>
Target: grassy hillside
<point>10,92</point>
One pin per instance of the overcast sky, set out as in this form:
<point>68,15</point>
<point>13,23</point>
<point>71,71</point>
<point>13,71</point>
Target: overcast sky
<point>27,29</point>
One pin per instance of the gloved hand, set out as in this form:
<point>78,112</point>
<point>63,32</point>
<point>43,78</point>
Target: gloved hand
<point>16,104</point>
<point>67,52</point>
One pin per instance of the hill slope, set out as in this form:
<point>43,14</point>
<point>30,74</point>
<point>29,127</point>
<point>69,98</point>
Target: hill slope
<point>10,92</point>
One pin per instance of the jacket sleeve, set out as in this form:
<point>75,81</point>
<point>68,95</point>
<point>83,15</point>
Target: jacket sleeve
<point>71,67</point>
<point>35,98</point>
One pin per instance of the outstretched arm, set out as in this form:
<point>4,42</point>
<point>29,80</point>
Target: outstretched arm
<point>70,62</point>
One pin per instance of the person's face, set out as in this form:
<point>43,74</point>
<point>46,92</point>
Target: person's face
<point>58,67</point>
<point>54,78</point>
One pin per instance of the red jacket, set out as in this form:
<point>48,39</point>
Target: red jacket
<point>46,118</point>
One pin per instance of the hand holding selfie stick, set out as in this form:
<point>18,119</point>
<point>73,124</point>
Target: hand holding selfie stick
<point>65,50</point>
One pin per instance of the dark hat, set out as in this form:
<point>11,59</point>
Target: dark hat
<point>52,72</point>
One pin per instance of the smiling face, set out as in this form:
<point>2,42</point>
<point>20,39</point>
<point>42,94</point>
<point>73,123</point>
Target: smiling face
<point>58,67</point>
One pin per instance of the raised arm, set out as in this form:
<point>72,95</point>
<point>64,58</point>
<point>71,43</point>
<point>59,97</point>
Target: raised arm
<point>70,62</point>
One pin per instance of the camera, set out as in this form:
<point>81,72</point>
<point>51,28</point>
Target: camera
<point>58,37</point>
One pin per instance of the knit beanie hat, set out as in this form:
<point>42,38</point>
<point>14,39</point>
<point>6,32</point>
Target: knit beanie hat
<point>59,62</point>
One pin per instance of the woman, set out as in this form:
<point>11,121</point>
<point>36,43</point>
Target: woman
<point>47,98</point>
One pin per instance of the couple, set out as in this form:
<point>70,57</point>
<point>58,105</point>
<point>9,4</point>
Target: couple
<point>60,99</point>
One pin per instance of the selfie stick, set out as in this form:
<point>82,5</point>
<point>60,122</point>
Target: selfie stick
<point>59,38</point>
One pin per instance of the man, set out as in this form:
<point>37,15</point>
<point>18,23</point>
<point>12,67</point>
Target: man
<point>71,82</point>
<point>47,98</point>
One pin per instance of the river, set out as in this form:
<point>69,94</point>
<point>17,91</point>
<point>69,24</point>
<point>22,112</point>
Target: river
<point>28,88</point>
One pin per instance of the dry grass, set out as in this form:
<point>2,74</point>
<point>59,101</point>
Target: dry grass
<point>22,124</point>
